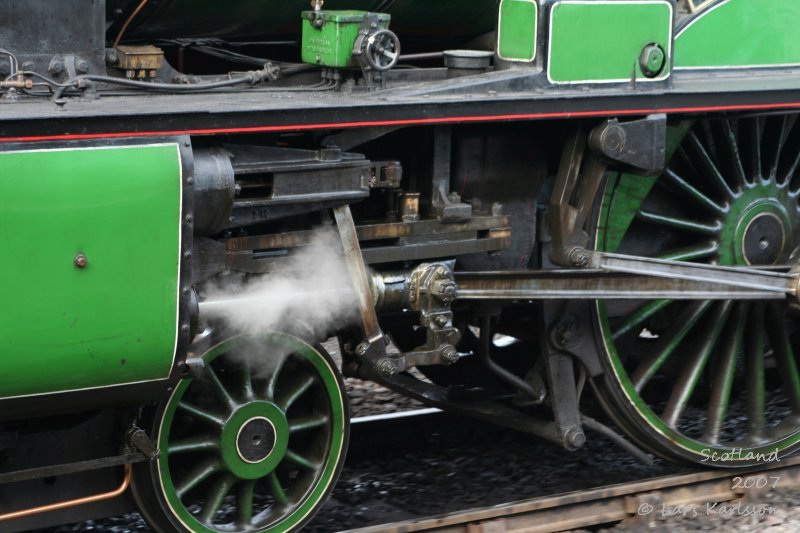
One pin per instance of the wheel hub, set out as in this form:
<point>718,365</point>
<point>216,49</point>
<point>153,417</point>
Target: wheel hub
<point>760,228</point>
<point>763,239</point>
<point>256,440</point>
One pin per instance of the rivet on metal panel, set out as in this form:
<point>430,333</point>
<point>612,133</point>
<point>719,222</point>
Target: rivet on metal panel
<point>81,261</point>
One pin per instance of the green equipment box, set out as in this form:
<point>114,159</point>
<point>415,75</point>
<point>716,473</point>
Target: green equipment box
<point>330,36</point>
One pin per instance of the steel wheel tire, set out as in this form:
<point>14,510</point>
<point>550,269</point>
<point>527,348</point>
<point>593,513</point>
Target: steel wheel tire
<point>711,383</point>
<point>257,444</point>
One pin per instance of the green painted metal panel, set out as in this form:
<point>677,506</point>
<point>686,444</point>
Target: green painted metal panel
<point>741,34</point>
<point>602,42</point>
<point>114,321</point>
<point>630,190</point>
<point>332,43</point>
<point>517,30</point>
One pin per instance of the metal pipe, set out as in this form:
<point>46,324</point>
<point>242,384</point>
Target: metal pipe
<point>612,435</point>
<point>126,481</point>
<point>419,57</point>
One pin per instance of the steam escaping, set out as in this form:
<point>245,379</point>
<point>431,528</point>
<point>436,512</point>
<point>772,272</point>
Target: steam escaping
<point>309,295</point>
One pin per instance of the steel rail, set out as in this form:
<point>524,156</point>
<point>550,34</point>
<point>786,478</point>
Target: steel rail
<point>643,499</point>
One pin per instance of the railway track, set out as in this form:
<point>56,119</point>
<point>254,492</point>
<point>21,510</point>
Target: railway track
<point>382,437</point>
<point>644,501</point>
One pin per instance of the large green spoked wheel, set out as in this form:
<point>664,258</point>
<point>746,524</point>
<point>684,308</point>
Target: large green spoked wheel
<point>255,445</point>
<point>707,382</point>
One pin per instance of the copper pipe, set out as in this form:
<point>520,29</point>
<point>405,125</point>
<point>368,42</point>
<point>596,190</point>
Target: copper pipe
<point>126,481</point>
<point>128,21</point>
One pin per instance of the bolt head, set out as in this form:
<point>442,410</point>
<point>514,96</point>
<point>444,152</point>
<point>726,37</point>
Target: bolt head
<point>57,67</point>
<point>112,57</point>
<point>450,355</point>
<point>579,258</point>
<point>81,261</point>
<point>652,61</point>
<point>575,438</point>
<point>387,368</point>
<point>361,349</point>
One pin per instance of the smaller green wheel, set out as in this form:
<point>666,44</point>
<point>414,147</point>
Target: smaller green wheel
<point>256,444</point>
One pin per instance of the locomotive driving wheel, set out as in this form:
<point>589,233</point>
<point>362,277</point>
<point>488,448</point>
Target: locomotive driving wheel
<point>712,382</point>
<point>256,444</point>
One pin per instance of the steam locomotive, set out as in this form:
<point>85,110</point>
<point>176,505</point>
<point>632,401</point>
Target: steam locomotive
<point>530,198</point>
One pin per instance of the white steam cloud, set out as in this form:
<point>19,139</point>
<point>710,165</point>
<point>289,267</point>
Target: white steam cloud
<point>311,294</point>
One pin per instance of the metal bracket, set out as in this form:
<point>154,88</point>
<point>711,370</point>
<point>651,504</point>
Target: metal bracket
<point>446,205</point>
<point>137,439</point>
<point>574,193</point>
<point>640,144</point>
<point>430,290</point>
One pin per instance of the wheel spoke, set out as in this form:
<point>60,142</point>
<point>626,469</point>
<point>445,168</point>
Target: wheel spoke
<point>222,392</point>
<point>272,382</point>
<point>311,422</point>
<point>709,165</point>
<point>732,145</point>
<point>753,133</point>
<point>639,317</point>
<point>754,366</point>
<point>708,139</point>
<point>215,497</point>
<point>294,394</point>
<point>687,383</point>
<point>693,192</point>
<point>196,444</point>
<point>784,354</point>
<point>669,341</point>
<point>247,381</point>
<point>692,253</point>
<point>790,167</point>
<point>245,504</point>
<point>678,223</point>
<point>276,489</point>
<point>783,132</point>
<point>300,460</point>
<point>202,414</point>
<point>726,371</point>
<point>199,474</point>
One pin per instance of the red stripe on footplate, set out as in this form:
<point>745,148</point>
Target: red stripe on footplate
<point>403,122</point>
